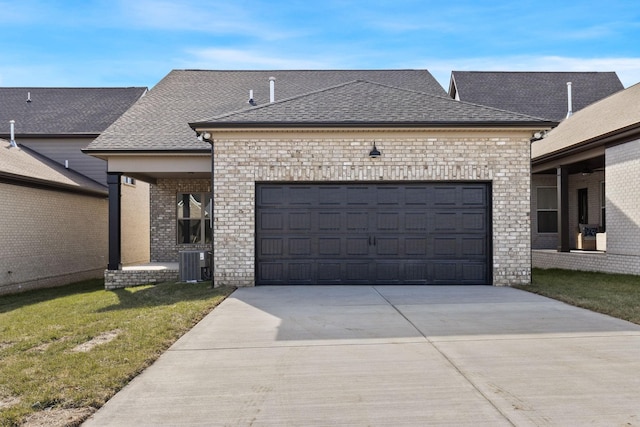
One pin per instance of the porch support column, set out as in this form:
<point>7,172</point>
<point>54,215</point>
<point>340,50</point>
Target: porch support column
<point>115,229</point>
<point>563,208</point>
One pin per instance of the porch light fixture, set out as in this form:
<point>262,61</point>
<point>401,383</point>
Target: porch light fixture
<point>374,151</point>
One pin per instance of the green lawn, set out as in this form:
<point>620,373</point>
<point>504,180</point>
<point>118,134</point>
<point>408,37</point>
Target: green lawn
<point>617,295</point>
<point>76,346</point>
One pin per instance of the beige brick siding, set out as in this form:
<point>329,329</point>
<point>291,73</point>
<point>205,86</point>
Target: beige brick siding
<point>241,159</point>
<point>50,238</point>
<point>623,199</point>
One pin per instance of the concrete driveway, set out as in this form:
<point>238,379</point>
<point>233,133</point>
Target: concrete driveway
<point>390,356</point>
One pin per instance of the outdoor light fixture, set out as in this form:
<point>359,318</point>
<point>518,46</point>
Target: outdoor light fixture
<point>374,151</point>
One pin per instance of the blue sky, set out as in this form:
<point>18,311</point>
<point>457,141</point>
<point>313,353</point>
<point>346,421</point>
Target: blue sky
<point>137,42</point>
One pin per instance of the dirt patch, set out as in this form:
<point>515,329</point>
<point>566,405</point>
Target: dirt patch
<point>99,340</point>
<point>58,417</point>
<point>8,402</point>
<point>5,344</point>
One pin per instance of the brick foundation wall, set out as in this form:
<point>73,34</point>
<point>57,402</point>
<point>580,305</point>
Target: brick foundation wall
<point>116,279</point>
<point>585,261</point>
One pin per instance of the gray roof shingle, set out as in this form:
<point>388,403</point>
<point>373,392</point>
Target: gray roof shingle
<point>160,120</point>
<point>368,104</point>
<point>63,111</point>
<point>22,165</point>
<point>539,94</point>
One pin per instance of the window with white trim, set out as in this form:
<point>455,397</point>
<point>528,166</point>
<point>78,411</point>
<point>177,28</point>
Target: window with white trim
<point>194,218</point>
<point>547,209</point>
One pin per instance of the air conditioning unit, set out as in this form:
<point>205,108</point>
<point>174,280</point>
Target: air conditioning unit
<point>195,266</point>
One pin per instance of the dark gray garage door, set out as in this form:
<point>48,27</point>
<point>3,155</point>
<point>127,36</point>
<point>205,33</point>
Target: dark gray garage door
<point>373,234</point>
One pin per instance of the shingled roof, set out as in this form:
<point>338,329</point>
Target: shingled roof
<point>615,117</point>
<point>40,111</point>
<point>160,120</point>
<point>540,94</point>
<point>363,103</point>
<point>26,167</point>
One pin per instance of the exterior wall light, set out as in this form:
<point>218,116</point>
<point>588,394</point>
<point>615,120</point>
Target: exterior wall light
<point>374,151</point>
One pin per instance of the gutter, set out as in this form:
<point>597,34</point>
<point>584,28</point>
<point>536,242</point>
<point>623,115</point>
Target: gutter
<point>49,185</point>
<point>375,125</point>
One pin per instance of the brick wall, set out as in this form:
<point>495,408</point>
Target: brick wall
<point>623,199</point>
<point>50,238</point>
<point>164,246</point>
<point>242,159</point>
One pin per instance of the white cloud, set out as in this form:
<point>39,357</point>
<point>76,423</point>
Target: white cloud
<point>226,18</point>
<point>225,59</point>
<point>628,69</point>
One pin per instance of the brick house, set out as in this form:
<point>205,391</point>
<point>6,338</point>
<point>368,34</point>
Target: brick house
<point>49,216</point>
<point>591,227</point>
<point>327,177</point>
<point>54,125</point>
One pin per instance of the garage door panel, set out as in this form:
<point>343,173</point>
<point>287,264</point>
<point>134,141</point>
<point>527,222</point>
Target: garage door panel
<point>330,246</point>
<point>272,221</point>
<point>330,220</point>
<point>357,246</point>
<point>299,221</point>
<point>473,247</point>
<point>433,233</point>
<point>358,221</point>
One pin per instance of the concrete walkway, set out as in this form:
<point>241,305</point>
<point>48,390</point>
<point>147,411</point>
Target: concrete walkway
<point>390,356</point>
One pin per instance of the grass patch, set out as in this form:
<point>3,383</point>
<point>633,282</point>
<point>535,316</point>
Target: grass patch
<point>617,295</point>
<point>75,346</point>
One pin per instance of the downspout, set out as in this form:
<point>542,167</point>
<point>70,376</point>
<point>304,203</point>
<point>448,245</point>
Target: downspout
<point>207,137</point>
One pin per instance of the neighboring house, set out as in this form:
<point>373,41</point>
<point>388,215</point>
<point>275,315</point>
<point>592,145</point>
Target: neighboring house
<point>538,94</point>
<point>58,123</point>
<point>49,215</point>
<point>324,177</point>
<point>543,94</point>
<point>570,166</point>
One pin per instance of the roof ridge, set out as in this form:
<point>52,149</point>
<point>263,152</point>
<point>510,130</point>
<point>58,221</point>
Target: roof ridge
<point>280,102</point>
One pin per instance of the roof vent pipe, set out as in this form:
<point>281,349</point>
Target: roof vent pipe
<point>28,96</point>
<point>569,101</point>
<point>12,143</point>
<point>272,89</point>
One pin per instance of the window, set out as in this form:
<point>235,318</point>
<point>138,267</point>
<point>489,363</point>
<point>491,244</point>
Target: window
<point>194,218</point>
<point>603,204</point>
<point>547,209</point>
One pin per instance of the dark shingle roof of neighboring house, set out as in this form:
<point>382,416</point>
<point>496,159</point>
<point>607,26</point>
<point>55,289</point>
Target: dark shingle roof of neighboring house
<point>363,103</point>
<point>63,111</point>
<point>159,121</point>
<point>26,167</point>
<point>615,118</point>
<point>540,94</point>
